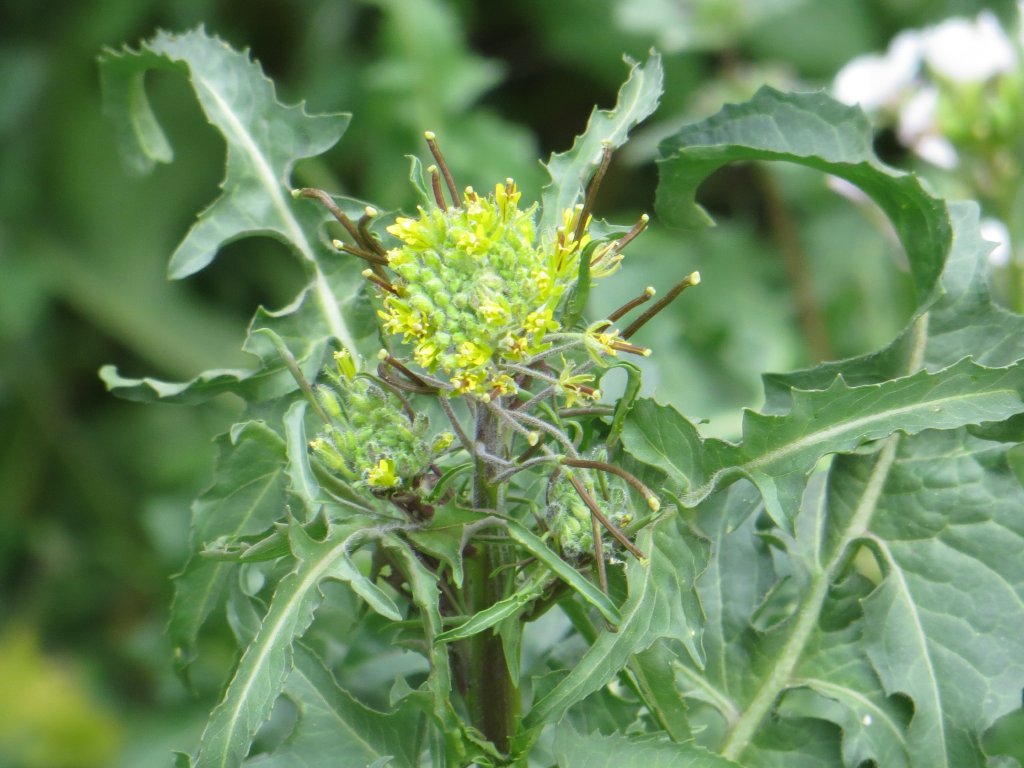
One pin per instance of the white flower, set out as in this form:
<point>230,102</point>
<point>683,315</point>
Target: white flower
<point>969,51</point>
<point>918,129</point>
<point>876,81</point>
<point>994,231</point>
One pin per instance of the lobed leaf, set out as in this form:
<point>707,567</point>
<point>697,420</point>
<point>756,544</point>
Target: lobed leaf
<point>944,628</point>
<point>779,450</point>
<point>336,729</point>
<point>247,496</point>
<point>264,140</point>
<point>814,130</point>
<point>267,661</point>
<point>662,603</point>
<point>571,170</point>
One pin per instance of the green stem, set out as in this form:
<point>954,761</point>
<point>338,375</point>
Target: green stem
<point>492,697</point>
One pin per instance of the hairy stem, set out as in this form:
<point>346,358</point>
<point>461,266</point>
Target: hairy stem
<point>493,698</point>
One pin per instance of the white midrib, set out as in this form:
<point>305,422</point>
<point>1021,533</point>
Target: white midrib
<point>824,435</point>
<point>343,724</point>
<point>933,682</point>
<point>267,642</point>
<point>242,137</point>
<point>810,610</point>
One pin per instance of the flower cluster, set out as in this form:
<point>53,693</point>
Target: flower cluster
<point>368,438</point>
<point>475,286</point>
<point>954,93</point>
<point>954,84</point>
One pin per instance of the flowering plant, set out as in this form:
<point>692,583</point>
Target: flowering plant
<point>552,575</point>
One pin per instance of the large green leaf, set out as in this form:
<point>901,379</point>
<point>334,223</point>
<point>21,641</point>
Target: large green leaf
<point>571,170</point>
<point>246,497</point>
<point>661,603</point>
<point>814,130</point>
<point>267,661</point>
<point>335,729</point>
<point>264,140</point>
<point>944,627</point>
<point>779,450</point>
<point>576,750</point>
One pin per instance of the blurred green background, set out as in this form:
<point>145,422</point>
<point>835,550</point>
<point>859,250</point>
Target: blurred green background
<point>95,492</point>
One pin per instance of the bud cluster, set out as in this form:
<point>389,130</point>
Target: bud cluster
<point>369,439</point>
<point>570,520</point>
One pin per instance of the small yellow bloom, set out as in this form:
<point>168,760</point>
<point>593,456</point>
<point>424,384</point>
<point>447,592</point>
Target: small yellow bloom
<point>505,384</point>
<point>383,475</point>
<point>540,321</point>
<point>472,355</point>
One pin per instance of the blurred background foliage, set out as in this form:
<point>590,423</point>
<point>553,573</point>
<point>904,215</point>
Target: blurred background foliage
<point>95,492</point>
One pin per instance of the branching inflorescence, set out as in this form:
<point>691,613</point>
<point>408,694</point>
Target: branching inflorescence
<point>484,306</point>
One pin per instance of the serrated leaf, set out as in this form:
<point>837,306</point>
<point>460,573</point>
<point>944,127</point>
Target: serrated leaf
<point>809,129</point>
<point>246,497</point>
<point>335,729</point>
<point>638,98</point>
<point>576,750</point>
<point>264,140</point>
<point>778,450</point>
<point>266,662</point>
<point>662,603</point>
<point>946,626</point>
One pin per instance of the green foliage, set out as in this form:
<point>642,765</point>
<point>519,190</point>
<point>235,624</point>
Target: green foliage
<point>837,586</point>
<point>844,557</point>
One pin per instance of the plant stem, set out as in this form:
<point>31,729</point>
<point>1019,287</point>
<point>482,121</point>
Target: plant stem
<point>783,229</point>
<point>493,698</point>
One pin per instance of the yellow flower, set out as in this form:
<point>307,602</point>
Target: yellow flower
<point>383,475</point>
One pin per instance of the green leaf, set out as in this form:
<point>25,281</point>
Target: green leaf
<point>536,547</point>
<point>940,512</point>
<point>662,603</point>
<point>499,611</point>
<point>575,750</point>
<point>300,474</point>
<point>246,497</point>
<point>426,594</point>
<point>660,694</point>
<point>814,130</point>
<point>266,662</point>
<point>336,729</point>
<point>264,140</point>
<point>962,321</point>
<point>570,171</point>
<point>778,450</point>
<point>946,626</point>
